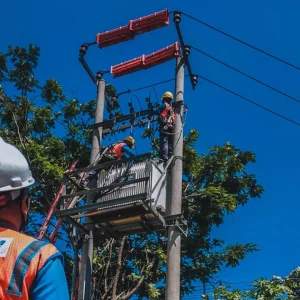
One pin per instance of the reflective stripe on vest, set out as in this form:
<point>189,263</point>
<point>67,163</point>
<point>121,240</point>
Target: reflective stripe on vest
<point>21,266</point>
<point>117,150</point>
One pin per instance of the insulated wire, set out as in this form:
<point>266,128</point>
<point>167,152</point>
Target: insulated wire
<point>250,101</point>
<point>147,86</point>
<point>242,42</point>
<point>244,74</point>
<point>137,98</point>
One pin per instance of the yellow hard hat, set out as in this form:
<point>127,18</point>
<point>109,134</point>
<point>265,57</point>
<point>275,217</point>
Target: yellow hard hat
<point>130,139</point>
<point>167,95</point>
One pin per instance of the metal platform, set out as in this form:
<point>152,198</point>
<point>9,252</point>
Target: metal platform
<point>133,210</point>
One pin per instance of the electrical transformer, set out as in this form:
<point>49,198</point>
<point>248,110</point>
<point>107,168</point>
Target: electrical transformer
<point>146,180</point>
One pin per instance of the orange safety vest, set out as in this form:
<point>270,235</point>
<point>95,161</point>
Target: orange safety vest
<point>166,110</point>
<point>116,150</point>
<point>21,258</point>
<point>167,113</point>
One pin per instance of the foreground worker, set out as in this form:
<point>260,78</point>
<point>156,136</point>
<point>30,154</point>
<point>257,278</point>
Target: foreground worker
<point>115,151</point>
<point>166,121</point>
<point>29,269</point>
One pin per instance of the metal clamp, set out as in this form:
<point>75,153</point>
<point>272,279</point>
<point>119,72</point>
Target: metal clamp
<point>180,223</point>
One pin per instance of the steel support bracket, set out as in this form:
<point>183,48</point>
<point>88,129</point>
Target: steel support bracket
<point>180,223</point>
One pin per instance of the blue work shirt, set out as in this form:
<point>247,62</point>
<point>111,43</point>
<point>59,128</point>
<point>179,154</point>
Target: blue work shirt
<point>50,282</point>
<point>162,107</point>
<point>127,151</point>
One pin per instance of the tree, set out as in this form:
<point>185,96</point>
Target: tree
<point>215,184</point>
<point>264,289</point>
<point>52,131</point>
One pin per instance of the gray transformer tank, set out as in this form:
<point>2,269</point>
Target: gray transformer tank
<point>144,181</point>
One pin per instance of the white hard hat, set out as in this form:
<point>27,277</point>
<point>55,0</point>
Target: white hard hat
<point>14,169</point>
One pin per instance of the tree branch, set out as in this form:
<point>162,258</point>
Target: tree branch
<point>129,294</point>
<point>108,264</point>
<point>16,123</point>
<point>141,280</point>
<point>118,269</point>
<point>107,288</point>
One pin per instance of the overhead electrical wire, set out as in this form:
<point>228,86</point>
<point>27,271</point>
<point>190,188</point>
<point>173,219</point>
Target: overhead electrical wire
<point>246,75</point>
<point>250,101</point>
<point>137,98</point>
<point>147,86</point>
<point>226,89</point>
<point>242,42</point>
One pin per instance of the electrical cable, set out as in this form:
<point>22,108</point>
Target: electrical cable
<point>242,42</point>
<point>131,134</point>
<point>137,98</point>
<point>153,131</point>
<point>244,74</point>
<point>153,89</point>
<point>115,136</point>
<point>146,87</point>
<point>250,101</point>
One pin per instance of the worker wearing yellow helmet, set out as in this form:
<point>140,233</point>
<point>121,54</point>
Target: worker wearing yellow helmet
<point>115,151</point>
<point>123,149</point>
<point>166,123</point>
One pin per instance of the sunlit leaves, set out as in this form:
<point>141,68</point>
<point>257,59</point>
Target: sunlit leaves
<point>263,289</point>
<point>52,92</point>
<point>53,130</point>
<point>24,63</point>
<point>3,67</point>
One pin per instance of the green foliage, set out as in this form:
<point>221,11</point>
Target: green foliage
<point>32,115</point>
<point>52,130</point>
<point>263,289</point>
<point>215,185</point>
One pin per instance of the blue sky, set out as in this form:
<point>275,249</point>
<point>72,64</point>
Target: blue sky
<point>59,27</point>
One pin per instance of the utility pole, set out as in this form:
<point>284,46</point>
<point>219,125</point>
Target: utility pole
<point>174,237</point>
<point>88,244</point>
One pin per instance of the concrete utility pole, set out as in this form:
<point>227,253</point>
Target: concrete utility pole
<point>86,269</point>
<point>174,238</point>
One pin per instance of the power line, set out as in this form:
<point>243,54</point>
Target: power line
<point>137,98</point>
<point>222,87</point>
<point>147,86</point>
<point>244,74</point>
<point>242,42</point>
<point>250,101</point>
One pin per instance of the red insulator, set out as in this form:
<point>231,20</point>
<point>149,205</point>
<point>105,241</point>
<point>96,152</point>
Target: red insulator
<point>151,22</point>
<point>146,61</point>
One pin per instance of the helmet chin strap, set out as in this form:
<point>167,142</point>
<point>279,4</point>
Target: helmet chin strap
<point>14,194</point>
<point>23,222</point>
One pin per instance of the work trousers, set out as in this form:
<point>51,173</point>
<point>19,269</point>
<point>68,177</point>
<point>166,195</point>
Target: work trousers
<point>165,143</point>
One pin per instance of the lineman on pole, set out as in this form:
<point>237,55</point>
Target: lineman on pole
<point>166,124</point>
<point>29,269</point>
<point>115,151</point>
